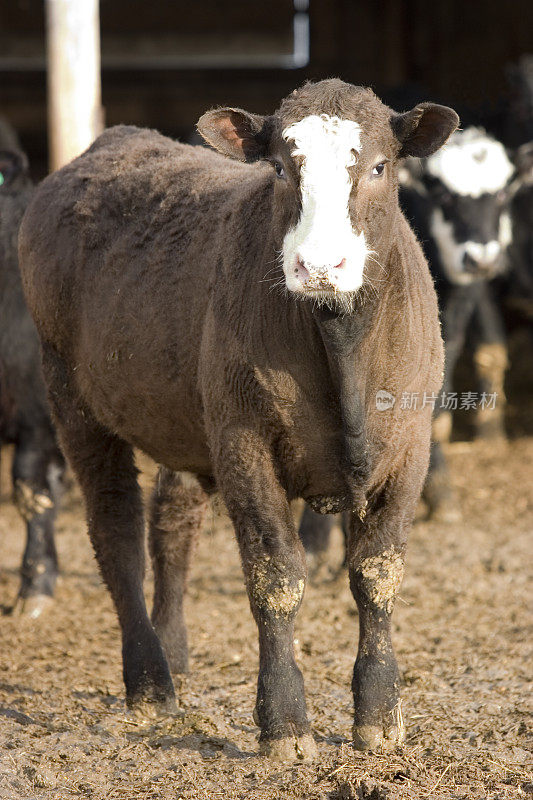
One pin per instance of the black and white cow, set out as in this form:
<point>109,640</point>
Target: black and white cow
<point>457,202</point>
<point>24,416</point>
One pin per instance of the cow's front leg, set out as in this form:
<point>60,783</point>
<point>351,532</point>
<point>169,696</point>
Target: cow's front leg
<point>375,575</point>
<point>275,574</point>
<point>376,549</point>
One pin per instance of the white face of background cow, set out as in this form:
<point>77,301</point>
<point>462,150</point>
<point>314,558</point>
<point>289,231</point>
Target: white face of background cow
<point>334,149</point>
<point>323,251</point>
<point>469,223</point>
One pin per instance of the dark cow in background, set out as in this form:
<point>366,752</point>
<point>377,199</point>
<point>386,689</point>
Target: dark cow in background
<point>24,415</point>
<point>457,203</point>
<point>144,265</point>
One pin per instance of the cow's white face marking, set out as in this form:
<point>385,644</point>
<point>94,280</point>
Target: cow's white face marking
<point>471,164</point>
<point>322,254</point>
<point>453,254</point>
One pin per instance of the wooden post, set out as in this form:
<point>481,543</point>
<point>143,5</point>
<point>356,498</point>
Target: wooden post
<point>75,115</point>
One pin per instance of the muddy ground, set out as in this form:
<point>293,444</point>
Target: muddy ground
<point>462,630</point>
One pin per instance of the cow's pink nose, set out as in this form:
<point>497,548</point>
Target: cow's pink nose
<point>303,273</point>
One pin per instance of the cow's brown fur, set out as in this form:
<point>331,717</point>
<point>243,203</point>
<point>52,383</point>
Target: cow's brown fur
<point>146,265</point>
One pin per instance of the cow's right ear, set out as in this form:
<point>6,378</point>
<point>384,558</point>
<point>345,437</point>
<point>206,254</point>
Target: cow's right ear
<point>12,163</point>
<point>236,133</point>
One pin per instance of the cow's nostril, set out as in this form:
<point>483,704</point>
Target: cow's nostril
<point>340,265</point>
<point>301,270</point>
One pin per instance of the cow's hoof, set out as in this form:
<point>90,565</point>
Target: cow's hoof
<point>33,607</point>
<point>377,738</point>
<point>152,707</point>
<point>291,748</point>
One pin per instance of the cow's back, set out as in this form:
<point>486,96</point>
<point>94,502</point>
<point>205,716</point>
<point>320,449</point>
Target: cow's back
<point>117,252</point>
<point>129,201</point>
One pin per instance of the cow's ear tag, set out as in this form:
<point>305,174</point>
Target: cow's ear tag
<point>1,179</point>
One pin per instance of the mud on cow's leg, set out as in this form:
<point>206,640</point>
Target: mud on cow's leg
<point>376,552</point>
<point>375,576</point>
<point>177,512</point>
<point>275,574</point>
<point>107,475</point>
<point>38,469</point>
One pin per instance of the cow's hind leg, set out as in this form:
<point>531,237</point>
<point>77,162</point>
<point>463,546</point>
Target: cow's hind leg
<point>177,512</point>
<point>106,472</point>
<point>37,476</point>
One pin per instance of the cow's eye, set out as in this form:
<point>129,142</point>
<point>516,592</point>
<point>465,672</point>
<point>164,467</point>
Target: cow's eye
<point>378,169</point>
<point>280,172</point>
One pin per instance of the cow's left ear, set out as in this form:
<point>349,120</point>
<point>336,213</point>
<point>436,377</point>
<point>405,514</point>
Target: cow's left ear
<point>236,133</point>
<point>424,129</point>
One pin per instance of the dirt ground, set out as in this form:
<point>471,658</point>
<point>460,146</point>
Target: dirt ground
<point>462,631</point>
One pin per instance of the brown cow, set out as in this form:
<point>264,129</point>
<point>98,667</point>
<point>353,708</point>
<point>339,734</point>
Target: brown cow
<point>235,321</point>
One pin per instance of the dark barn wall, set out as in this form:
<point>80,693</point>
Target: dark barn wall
<point>448,50</point>
<point>454,48</point>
